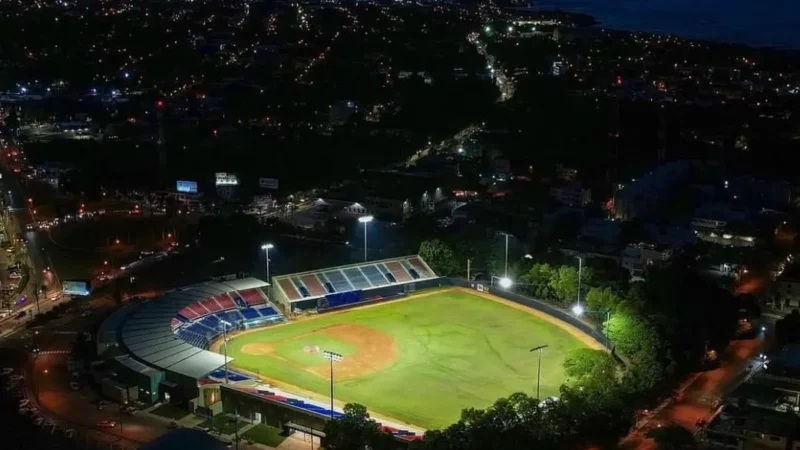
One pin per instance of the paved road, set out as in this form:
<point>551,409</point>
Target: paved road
<point>701,396</point>
<point>50,385</point>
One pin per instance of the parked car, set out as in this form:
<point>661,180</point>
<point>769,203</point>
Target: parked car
<point>106,424</point>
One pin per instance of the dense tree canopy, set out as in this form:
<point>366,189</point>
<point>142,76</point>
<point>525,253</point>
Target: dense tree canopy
<point>439,256</point>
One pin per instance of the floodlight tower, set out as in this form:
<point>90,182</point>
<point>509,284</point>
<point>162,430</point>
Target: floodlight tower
<point>332,357</point>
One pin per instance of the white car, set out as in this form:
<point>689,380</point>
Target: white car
<point>14,275</point>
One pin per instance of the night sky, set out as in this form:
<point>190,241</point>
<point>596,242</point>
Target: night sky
<point>753,22</point>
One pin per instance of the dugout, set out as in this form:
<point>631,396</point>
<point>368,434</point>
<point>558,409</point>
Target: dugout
<point>258,409</point>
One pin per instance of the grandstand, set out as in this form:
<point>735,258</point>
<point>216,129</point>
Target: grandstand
<point>165,340</point>
<point>345,285</point>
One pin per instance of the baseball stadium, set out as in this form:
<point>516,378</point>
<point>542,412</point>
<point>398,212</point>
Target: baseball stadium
<point>414,348</point>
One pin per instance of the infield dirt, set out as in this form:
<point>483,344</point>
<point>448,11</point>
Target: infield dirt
<point>375,350</point>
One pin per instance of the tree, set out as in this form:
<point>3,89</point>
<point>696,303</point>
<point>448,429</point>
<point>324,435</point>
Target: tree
<point>565,283</point>
<point>673,437</point>
<point>587,364</point>
<point>356,430</point>
<point>439,256</point>
<point>601,299</point>
<point>631,334</point>
<point>539,277</point>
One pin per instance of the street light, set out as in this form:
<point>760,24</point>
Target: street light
<point>266,248</point>
<point>539,371</point>
<point>365,220</point>
<point>225,324</point>
<point>332,357</point>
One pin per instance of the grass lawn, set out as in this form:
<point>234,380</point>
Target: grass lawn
<point>452,350</point>
<point>265,434</point>
<point>170,412</point>
<point>223,424</point>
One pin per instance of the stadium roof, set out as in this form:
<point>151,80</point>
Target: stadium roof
<point>147,332</point>
<point>362,276</point>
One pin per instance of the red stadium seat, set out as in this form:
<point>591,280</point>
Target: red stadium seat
<point>252,297</point>
<point>225,301</point>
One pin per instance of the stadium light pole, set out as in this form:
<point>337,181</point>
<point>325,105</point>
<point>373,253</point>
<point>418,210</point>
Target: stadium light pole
<point>365,220</point>
<point>225,324</point>
<point>580,269</point>
<point>332,357</point>
<point>505,271</point>
<point>539,371</point>
<point>266,248</point>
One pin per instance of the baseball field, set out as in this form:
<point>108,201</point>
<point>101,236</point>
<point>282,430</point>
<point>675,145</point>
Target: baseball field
<point>420,360</point>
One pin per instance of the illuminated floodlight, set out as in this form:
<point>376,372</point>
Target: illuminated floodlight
<point>267,247</point>
<point>332,356</point>
<point>505,282</point>
<point>365,219</point>
<point>487,28</point>
<point>460,149</point>
<point>577,310</point>
<point>510,29</point>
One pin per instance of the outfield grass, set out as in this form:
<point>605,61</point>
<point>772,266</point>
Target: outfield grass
<point>455,351</point>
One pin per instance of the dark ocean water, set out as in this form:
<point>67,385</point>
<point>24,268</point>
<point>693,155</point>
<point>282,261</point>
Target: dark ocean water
<point>759,23</point>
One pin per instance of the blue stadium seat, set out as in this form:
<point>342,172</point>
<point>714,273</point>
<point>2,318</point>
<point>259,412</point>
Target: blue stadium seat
<point>239,301</point>
<point>356,278</point>
<point>249,313</point>
<point>211,321</point>
<point>233,317</point>
<point>374,275</point>
<point>266,311</point>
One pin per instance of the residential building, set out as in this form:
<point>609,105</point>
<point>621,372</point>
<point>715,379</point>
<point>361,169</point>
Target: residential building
<point>643,197</point>
<point>571,194</point>
<point>787,286</point>
<point>753,429</point>
<point>637,258</point>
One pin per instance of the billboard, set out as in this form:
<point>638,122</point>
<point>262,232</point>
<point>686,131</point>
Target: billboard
<point>268,183</point>
<point>226,179</point>
<point>189,187</point>
<point>76,287</point>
